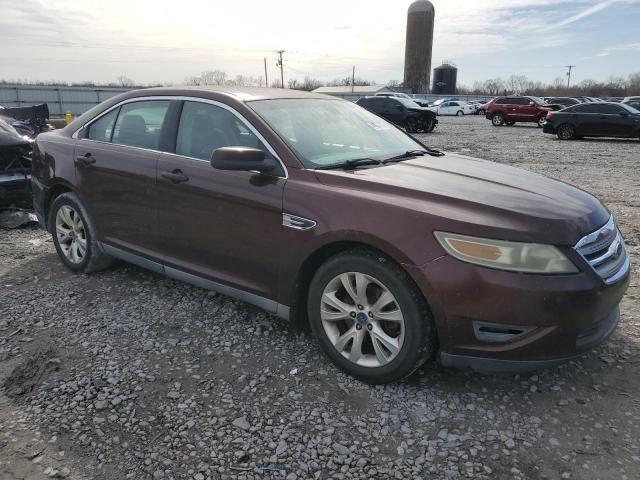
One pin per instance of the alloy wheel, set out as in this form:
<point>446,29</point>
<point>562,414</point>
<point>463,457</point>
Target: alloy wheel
<point>497,120</point>
<point>362,319</point>
<point>71,234</point>
<point>541,121</point>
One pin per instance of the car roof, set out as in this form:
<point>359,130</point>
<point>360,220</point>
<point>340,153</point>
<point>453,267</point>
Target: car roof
<point>244,94</point>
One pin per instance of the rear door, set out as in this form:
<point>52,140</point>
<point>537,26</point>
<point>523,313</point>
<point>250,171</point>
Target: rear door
<point>225,226</point>
<point>116,160</point>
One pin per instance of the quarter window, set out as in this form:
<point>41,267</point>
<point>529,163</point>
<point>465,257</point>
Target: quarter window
<point>102,129</point>
<point>204,128</point>
<point>139,124</point>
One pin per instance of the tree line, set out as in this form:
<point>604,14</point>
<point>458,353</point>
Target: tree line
<point>515,84</point>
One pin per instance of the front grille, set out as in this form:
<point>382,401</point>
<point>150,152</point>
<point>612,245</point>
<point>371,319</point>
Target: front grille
<point>604,251</point>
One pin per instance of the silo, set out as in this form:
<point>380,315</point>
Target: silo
<point>445,78</point>
<point>417,56</point>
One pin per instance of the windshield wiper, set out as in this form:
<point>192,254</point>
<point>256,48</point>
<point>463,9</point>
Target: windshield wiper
<point>414,153</point>
<point>357,162</point>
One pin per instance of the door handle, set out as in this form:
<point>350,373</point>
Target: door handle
<point>85,160</point>
<point>175,176</point>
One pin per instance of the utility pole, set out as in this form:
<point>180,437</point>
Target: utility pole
<point>266,77</point>
<point>569,68</point>
<point>353,79</point>
<point>279,64</point>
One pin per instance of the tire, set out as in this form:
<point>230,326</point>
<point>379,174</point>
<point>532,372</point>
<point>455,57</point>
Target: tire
<point>566,132</point>
<point>459,113</point>
<point>70,225</point>
<point>431,125</point>
<point>481,112</point>
<point>411,125</point>
<point>497,120</point>
<point>541,120</point>
<point>411,333</point>
<point>510,123</point>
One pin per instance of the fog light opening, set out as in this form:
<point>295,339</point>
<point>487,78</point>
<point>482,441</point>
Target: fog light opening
<point>498,333</point>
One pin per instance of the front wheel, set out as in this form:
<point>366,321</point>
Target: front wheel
<point>74,236</point>
<point>411,125</point>
<point>369,317</point>
<point>497,119</point>
<point>431,125</point>
<point>541,121</point>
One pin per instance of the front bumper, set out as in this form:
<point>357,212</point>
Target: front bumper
<point>548,128</point>
<point>559,317</point>
<point>589,339</point>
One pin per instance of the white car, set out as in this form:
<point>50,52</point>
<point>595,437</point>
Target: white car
<point>454,107</point>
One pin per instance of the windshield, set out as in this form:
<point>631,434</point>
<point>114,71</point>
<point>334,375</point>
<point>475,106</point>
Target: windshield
<point>326,132</point>
<point>537,100</point>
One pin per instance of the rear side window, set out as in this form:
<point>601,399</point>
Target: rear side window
<point>102,129</point>
<point>139,124</point>
<point>585,108</point>
<point>204,128</point>
<point>454,104</point>
<point>502,101</point>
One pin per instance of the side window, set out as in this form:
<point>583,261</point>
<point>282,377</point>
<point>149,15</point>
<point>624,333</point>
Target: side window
<point>444,104</point>
<point>454,104</point>
<point>139,123</point>
<point>204,128</point>
<point>609,109</point>
<point>394,104</point>
<point>586,108</point>
<point>377,104</point>
<point>102,129</point>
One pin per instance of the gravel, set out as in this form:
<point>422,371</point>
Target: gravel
<point>128,375</point>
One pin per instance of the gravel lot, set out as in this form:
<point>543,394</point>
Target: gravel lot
<point>129,375</point>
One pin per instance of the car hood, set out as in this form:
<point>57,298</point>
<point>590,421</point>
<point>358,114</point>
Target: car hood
<point>478,197</point>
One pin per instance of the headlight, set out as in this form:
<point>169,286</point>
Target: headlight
<point>513,256</point>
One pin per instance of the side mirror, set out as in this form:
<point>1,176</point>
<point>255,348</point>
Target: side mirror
<point>242,159</point>
<point>531,104</point>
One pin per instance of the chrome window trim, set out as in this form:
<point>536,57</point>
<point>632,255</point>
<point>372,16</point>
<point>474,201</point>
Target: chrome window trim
<point>237,114</point>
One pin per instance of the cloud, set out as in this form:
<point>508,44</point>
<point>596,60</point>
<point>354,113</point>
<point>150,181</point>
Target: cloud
<point>587,12</point>
<point>623,47</point>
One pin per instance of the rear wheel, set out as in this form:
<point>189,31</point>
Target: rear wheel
<point>411,125</point>
<point>74,236</point>
<point>369,317</point>
<point>497,119</point>
<point>542,120</point>
<point>459,113</point>
<point>566,132</point>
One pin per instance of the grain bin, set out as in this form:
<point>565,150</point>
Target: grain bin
<point>445,78</point>
<point>419,46</point>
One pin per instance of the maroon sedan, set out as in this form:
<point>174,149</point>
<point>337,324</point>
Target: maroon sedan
<point>317,210</point>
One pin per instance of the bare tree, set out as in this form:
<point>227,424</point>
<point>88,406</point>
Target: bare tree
<point>125,81</point>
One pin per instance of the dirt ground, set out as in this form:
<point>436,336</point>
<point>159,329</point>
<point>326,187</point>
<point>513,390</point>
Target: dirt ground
<point>129,375</point>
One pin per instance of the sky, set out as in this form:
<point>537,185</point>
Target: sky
<point>161,41</point>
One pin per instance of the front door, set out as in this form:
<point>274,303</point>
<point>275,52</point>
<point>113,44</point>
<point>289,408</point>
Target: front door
<point>116,161</point>
<point>224,226</point>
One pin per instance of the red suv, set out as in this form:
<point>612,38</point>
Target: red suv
<point>510,110</point>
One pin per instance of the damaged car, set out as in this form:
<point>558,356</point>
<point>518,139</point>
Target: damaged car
<point>15,167</point>
<point>401,111</point>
